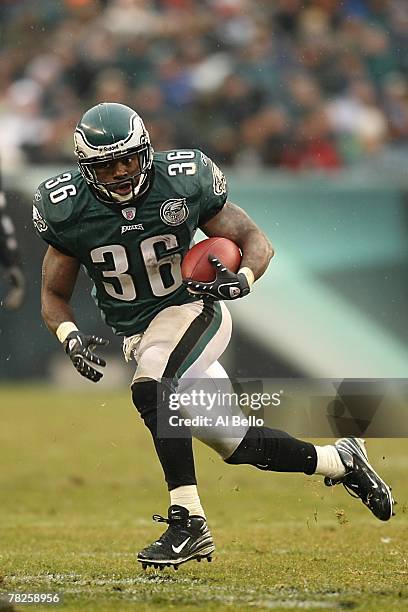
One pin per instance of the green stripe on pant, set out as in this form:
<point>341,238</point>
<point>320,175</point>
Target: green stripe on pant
<point>194,341</point>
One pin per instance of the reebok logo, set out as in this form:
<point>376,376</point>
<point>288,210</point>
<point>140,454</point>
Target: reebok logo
<point>234,291</point>
<point>129,228</point>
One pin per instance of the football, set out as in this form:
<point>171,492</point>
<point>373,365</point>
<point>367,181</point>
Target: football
<point>196,265</point>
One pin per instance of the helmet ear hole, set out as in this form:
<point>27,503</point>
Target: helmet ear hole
<point>107,132</point>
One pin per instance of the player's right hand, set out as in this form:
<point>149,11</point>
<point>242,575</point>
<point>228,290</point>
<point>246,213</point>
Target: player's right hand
<point>79,347</point>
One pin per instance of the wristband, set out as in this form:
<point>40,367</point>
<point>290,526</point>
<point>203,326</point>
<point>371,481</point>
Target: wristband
<point>64,329</point>
<point>248,274</point>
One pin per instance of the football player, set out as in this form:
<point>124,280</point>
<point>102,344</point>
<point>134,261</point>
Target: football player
<point>129,215</point>
<point>10,258</point>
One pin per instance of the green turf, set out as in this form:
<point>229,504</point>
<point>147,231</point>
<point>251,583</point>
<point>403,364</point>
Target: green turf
<point>79,483</point>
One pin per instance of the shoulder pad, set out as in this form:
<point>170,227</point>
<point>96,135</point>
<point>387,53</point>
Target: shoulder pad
<point>181,169</point>
<point>61,198</point>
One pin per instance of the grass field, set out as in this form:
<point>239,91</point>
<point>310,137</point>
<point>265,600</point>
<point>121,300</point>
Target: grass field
<point>79,483</point>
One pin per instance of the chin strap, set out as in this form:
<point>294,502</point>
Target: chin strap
<point>133,194</point>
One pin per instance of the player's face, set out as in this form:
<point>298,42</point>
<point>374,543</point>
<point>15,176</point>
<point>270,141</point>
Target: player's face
<point>118,170</point>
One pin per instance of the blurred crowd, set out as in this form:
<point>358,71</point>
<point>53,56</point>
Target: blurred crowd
<point>285,83</point>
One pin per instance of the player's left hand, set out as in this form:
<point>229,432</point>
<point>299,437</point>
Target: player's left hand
<point>16,293</point>
<point>80,349</point>
<point>226,286</point>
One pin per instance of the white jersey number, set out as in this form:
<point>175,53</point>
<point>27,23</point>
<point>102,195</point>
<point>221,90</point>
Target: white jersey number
<point>183,167</point>
<point>121,266</point>
<point>124,281</point>
<point>62,193</point>
<point>153,264</point>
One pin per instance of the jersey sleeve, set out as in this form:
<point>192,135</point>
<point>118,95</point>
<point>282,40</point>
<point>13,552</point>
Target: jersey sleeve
<point>44,227</point>
<point>214,190</point>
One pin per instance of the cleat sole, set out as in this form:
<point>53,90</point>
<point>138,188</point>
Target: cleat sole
<point>206,553</point>
<point>161,566</point>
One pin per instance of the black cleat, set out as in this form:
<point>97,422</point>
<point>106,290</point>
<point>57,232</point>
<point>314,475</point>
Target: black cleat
<point>360,479</point>
<point>186,538</point>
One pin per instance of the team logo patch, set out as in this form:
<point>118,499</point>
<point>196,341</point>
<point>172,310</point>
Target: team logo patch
<point>174,212</point>
<point>219,180</point>
<point>129,213</point>
<point>39,222</point>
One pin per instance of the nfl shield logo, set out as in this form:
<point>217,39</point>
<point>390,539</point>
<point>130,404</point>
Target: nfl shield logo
<point>129,213</point>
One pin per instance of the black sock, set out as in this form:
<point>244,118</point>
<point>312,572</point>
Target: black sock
<point>175,454</point>
<point>275,450</point>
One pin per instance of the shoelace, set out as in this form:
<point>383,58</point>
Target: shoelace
<point>170,522</point>
<point>350,491</point>
<point>347,486</point>
<point>160,519</point>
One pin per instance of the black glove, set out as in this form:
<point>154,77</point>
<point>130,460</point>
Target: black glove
<point>226,286</point>
<point>80,348</point>
<point>16,293</point>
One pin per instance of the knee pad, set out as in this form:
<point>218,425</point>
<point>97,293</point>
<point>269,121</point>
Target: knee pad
<point>147,395</point>
<point>144,397</point>
<point>275,450</point>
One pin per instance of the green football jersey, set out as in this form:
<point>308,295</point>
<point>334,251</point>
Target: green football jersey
<point>133,254</point>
